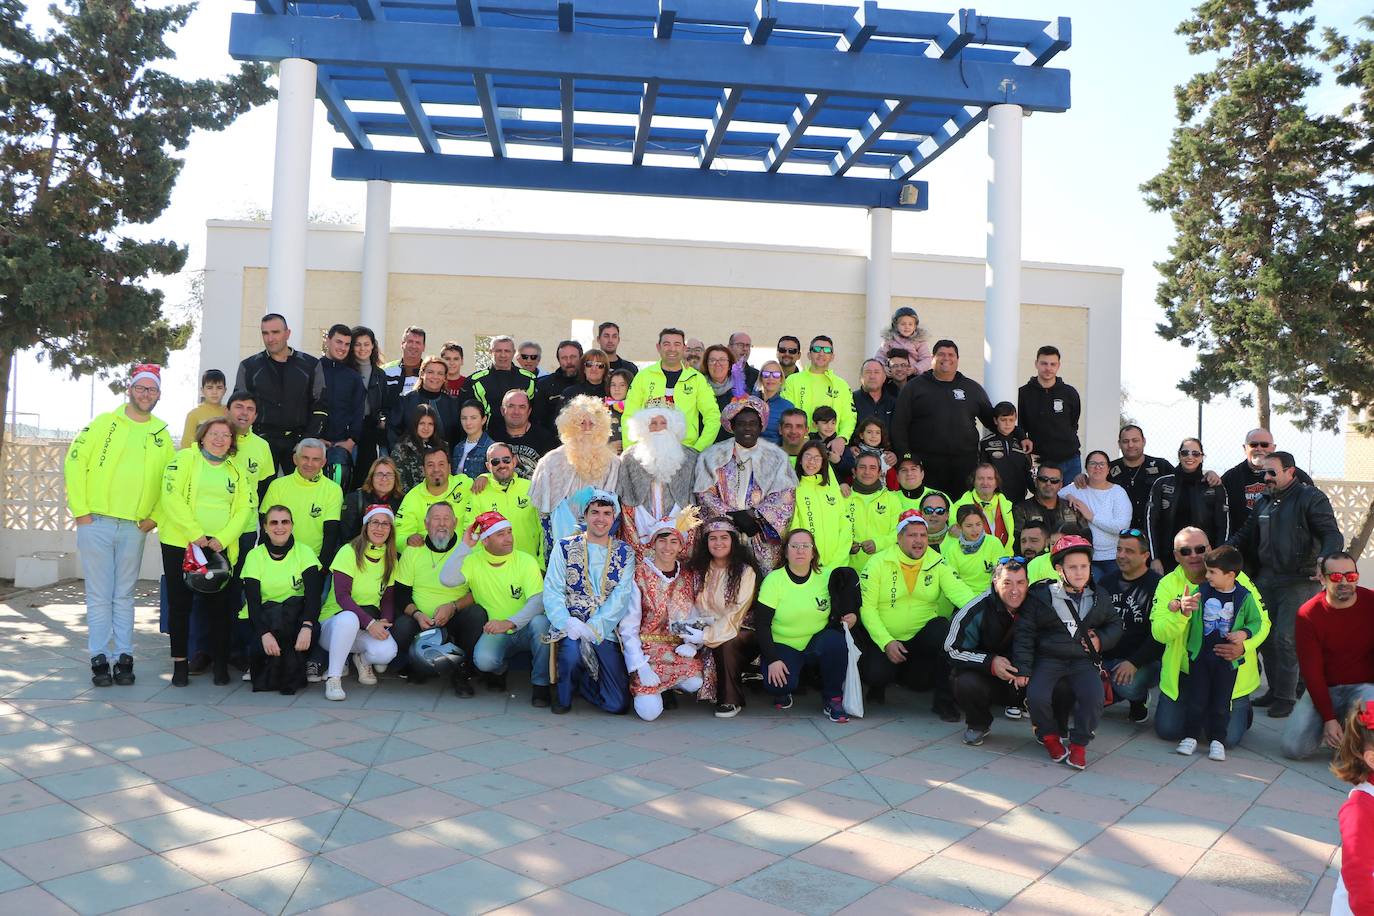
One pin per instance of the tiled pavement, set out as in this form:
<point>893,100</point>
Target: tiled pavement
<point>405,799</point>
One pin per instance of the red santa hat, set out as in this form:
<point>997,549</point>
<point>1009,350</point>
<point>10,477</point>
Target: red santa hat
<point>488,523</point>
<point>911,517</point>
<point>146,372</point>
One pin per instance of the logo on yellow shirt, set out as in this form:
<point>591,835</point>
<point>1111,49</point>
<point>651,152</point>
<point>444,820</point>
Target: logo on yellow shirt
<point>297,583</point>
<point>316,511</point>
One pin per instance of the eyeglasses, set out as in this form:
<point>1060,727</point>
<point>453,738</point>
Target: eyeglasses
<point>822,349</point>
<point>1258,444</point>
<point>1190,551</point>
<point>379,522</point>
<point>145,389</point>
<point>934,511</point>
<point>789,351</point>
<point>1351,577</point>
<point>1043,479</point>
<point>506,460</point>
<point>1189,453</point>
<point>769,373</point>
<point>286,521</point>
<point>1130,533</point>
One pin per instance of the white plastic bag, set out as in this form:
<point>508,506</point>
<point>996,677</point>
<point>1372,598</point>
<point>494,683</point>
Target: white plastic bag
<point>853,688</point>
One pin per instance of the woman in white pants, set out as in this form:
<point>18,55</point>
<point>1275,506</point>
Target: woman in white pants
<point>357,615</point>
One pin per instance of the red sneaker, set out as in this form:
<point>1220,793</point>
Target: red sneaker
<point>1078,756</point>
<point>1055,748</point>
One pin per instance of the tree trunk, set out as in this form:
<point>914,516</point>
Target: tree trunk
<point>1262,404</point>
<point>1361,539</point>
<point>6,364</point>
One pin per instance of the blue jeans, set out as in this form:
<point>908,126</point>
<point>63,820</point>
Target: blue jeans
<point>1138,690</point>
<point>826,650</point>
<point>493,651</point>
<point>1280,649</point>
<point>111,551</point>
<point>610,691</point>
<point>1303,734</point>
<point>1071,468</point>
<point>1171,716</point>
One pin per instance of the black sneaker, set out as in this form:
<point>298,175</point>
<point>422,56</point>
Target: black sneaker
<point>199,663</point>
<point>100,671</point>
<point>124,671</point>
<point>974,736</point>
<point>496,682</point>
<point>540,696</point>
<point>1281,709</point>
<point>669,699</point>
<point>726,711</point>
<point>1266,700</point>
<point>462,682</point>
<point>1140,712</point>
<point>314,672</point>
<point>559,710</point>
<point>783,702</point>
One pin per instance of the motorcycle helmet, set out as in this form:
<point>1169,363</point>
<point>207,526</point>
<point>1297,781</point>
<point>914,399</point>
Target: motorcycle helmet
<point>205,571</point>
<point>432,655</point>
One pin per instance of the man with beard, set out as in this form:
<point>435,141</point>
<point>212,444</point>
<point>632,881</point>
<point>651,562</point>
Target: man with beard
<point>548,391</point>
<point>501,491</point>
<point>585,459</point>
<point>657,472</point>
<point>749,480</point>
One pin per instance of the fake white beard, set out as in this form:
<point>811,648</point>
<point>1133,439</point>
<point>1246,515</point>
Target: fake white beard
<point>661,454</point>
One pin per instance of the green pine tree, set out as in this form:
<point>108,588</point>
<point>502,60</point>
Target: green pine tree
<point>1258,281</point>
<point>89,132</point>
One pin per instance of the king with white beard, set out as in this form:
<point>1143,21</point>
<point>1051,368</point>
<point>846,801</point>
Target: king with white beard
<point>656,472</point>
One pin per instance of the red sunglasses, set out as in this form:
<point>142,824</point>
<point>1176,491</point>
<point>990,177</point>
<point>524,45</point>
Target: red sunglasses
<point>1351,577</point>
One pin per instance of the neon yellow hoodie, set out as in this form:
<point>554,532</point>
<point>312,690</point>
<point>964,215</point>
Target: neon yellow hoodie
<point>692,395</point>
<point>1171,629</point>
<point>114,466</point>
<point>891,612</point>
<point>808,390</point>
<point>825,511</point>
<point>875,519</point>
<point>178,521</point>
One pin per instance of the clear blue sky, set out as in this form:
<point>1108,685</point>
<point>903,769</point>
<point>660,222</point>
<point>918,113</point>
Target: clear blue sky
<point>1081,176</point>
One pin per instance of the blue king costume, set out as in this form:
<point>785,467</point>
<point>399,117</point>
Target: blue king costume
<point>592,584</point>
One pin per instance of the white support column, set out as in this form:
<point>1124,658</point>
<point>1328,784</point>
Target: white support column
<point>291,196</point>
<point>1002,307</point>
<point>878,288</point>
<point>376,252</point>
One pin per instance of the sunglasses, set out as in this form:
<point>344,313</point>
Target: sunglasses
<point>1351,577</point>
<point>934,511</point>
<point>1130,533</point>
<point>1189,453</point>
<point>1013,562</point>
<point>1270,472</point>
<point>822,349</point>
<point>769,373</point>
<point>594,365</point>
<point>789,351</point>
<point>1190,551</point>
<point>506,460</point>
<point>1258,444</point>
<point>529,355</point>
<point>1043,479</point>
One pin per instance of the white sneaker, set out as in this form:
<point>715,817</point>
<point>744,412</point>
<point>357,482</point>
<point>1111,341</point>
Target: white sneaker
<point>1217,751</point>
<point>1187,746</point>
<point>379,669</point>
<point>247,676</point>
<point>366,677</point>
<point>333,689</point>
<point>1012,712</point>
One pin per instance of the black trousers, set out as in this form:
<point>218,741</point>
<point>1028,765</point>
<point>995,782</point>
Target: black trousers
<point>1051,675</point>
<point>978,693</point>
<point>464,629</point>
<point>925,656</point>
<point>219,608</point>
<point>949,473</point>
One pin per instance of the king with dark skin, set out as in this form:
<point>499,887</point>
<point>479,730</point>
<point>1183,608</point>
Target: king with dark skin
<point>747,427</point>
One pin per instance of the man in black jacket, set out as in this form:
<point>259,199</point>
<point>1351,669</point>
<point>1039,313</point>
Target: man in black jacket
<point>873,398</point>
<point>345,405</point>
<point>1290,529</point>
<point>1245,483</point>
<point>289,389</point>
<point>1134,662</point>
<point>548,391</point>
<point>979,649</point>
<point>1049,410</point>
<point>489,386</point>
<point>936,419</point>
<point>1136,472</point>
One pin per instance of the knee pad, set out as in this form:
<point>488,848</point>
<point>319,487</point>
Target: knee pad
<point>649,707</point>
<point>691,684</point>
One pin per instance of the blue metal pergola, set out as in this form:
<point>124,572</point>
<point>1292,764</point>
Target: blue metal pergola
<point>772,100</point>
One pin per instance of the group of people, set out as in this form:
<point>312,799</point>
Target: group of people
<point>705,527</point>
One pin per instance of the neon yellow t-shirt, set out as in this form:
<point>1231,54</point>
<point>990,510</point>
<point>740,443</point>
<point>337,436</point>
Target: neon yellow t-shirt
<point>502,585</point>
<point>281,579</point>
<point>419,568</point>
<point>800,610</point>
<point>368,584</point>
<point>312,503</point>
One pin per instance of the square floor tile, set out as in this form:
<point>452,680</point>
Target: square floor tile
<point>1108,879</point>
<point>961,882</point>
<point>415,807</point>
<point>237,854</point>
<point>863,856</point>
<point>876,789</point>
<point>711,858</point>
<point>803,887</point>
<point>481,832</point>
<point>620,790</point>
<point>554,859</point>
<point>773,832</point>
<point>698,812</point>
<point>24,827</point>
<point>1265,879</point>
<point>1143,850</point>
<point>497,753</point>
<point>94,781</point>
<point>726,901</point>
<point>396,857</point>
<point>297,886</point>
<point>129,804</point>
<point>204,899</point>
<point>120,885</point>
<point>70,854</point>
<point>24,794</point>
<point>754,791</point>
<point>474,886</point>
<point>928,834</point>
<point>370,903</point>
<point>1194,831</point>
<point>264,747</point>
<point>331,830</point>
<point>183,827</point>
<point>490,788</point>
<point>1031,825</point>
<point>11,879</point>
<point>730,755</point>
<point>555,810</point>
<point>226,784</point>
<point>639,889</point>
<point>628,832</point>
<point>556,902</point>
<point>823,808</point>
<point>615,755</point>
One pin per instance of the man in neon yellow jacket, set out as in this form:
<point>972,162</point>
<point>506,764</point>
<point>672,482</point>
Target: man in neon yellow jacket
<point>113,473</point>
<point>875,509</point>
<point>908,591</point>
<point>681,385</point>
<point>1175,595</point>
<point>818,385</point>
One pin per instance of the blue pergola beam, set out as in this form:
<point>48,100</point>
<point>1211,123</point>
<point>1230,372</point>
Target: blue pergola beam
<point>647,102</point>
<point>653,181</point>
<point>584,55</point>
<point>879,121</point>
<point>928,150</point>
<point>469,17</point>
<point>345,121</point>
<point>369,10</point>
<point>765,18</point>
<point>414,111</point>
